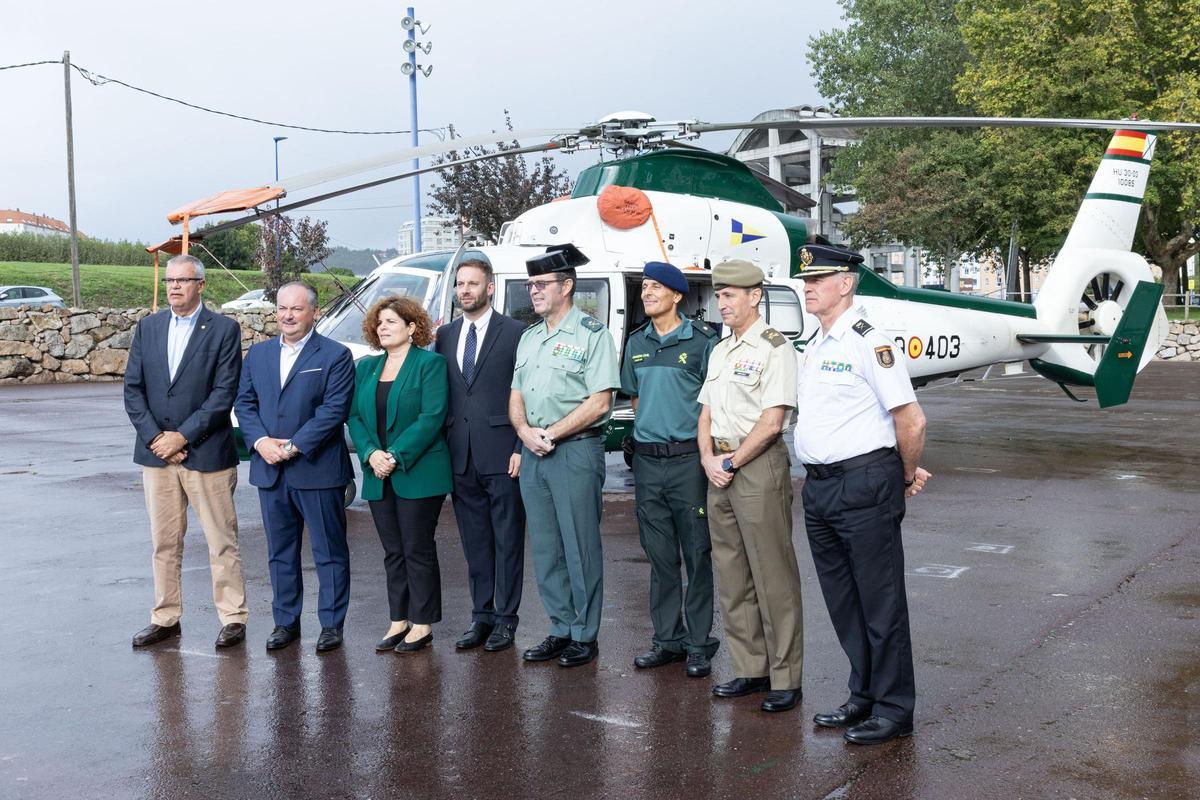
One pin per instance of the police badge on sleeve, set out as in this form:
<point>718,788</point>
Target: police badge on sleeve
<point>884,356</point>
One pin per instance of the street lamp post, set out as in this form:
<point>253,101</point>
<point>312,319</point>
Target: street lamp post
<point>410,68</point>
<point>278,224</point>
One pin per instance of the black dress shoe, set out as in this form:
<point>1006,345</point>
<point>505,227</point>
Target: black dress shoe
<point>282,636</point>
<point>739,687</point>
<point>698,665</point>
<point>412,647</point>
<point>330,639</point>
<point>657,657</point>
<point>153,634</point>
<point>576,654</point>
<point>502,638</point>
<point>782,699</point>
<point>476,635</point>
<point>389,642</point>
<point>231,634</point>
<point>847,714</point>
<point>877,730</point>
<point>550,647</point>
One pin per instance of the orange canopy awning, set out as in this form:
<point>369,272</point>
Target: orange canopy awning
<point>231,200</point>
<point>172,246</point>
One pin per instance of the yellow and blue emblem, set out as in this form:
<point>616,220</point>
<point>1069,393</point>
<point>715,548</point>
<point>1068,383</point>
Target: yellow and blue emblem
<point>740,233</point>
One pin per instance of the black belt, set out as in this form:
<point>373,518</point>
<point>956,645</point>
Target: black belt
<point>584,434</point>
<point>665,449</point>
<point>837,468</point>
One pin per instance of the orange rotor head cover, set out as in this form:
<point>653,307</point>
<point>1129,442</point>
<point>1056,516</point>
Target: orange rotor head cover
<point>623,207</point>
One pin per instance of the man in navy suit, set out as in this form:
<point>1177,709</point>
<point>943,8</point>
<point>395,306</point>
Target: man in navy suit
<point>480,348</point>
<point>180,382</point>
<point>293,400</point>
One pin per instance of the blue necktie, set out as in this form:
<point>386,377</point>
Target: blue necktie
<point>469,356</point>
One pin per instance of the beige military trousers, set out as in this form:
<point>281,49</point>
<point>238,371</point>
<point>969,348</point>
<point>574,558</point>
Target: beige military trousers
<point>169,491</point>
<point>758,581</point>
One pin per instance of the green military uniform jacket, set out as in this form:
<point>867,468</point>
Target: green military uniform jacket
<point>416,409</point>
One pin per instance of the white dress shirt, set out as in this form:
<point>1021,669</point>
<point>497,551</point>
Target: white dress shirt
<point>178,336</point>
<point>288,353</point>
<point>850,380</point>
<point>481,326</point>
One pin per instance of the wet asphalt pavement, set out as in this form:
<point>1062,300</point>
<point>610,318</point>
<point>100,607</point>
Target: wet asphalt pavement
<point>1054,588</point>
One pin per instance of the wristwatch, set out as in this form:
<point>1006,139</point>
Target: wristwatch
<point>289,448</point>
<point>728,466</point>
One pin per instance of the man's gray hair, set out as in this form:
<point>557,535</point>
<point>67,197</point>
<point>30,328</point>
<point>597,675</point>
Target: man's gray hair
<point>310,291</point>
<point>196,264</point>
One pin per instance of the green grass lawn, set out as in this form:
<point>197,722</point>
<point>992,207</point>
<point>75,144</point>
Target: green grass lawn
<point>1175,313</point>
<point>133,287</point>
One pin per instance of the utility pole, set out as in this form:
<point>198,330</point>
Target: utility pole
<point>410,68</point>
<point>76,296</point>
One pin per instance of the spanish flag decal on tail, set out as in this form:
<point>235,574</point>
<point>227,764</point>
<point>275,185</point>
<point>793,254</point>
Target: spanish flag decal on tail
<point>740,234</point>
<point>1130,144</point>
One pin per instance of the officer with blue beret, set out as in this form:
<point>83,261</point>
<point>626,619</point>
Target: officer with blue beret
<point>561,398</point>
<point>663,369</point>
<point>860,439</point>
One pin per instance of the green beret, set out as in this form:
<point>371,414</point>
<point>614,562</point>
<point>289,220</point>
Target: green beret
<point>736,272</point>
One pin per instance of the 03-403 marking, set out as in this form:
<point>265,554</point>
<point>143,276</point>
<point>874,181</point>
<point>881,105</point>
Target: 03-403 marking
<point>931,346</point>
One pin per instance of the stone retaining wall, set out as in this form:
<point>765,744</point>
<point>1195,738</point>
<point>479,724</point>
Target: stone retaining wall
<point>1183,342</point>
<point>64,345</point>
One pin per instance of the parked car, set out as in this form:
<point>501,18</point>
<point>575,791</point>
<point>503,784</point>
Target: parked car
<point>29,296</point>
<point>251,301</point>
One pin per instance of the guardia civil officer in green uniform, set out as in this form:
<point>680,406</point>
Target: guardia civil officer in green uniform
<point>860,441</point>
<point>566,369</point>
<point>663,370</point>
<point>748,396</point>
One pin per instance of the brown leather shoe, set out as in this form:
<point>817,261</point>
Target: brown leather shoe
<point>231,634</point>
<point>153,634</point>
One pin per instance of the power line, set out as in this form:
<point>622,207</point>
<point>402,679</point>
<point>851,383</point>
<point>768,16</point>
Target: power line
<point>96,79</point>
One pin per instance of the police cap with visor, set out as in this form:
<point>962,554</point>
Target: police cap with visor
<point>823,259</point>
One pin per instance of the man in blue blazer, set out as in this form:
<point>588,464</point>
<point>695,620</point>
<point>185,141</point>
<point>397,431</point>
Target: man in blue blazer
<point>294,397</point>
<point>180,382</point>
<point>480,349</point>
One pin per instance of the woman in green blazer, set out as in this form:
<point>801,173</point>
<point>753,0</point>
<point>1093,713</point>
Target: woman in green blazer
<point>396,422</point>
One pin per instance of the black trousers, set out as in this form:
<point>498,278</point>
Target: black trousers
<point>410,560</point>
<point>491,524</point>
<point>853,522</point>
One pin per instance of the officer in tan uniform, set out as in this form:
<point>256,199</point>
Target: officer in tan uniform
<point>748,397</point>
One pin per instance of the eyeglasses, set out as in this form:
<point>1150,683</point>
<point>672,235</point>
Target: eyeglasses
<point>539,285</point>
<point>180,281</point>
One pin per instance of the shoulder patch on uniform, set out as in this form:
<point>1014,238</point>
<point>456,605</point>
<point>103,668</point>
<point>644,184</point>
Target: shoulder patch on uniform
<point>773,336</point>
<point>884,356</point>
<point>862,327</point>
<point>591,323</point>
<point>704,328</point>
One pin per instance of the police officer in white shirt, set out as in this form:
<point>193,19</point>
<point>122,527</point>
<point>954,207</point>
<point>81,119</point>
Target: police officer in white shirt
<point>860,437</point>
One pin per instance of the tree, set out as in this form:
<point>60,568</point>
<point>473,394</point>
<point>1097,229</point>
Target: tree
<point>485,194</point>
<point>287,248</point>
<point>1101,58</point>
<point>236,248</point>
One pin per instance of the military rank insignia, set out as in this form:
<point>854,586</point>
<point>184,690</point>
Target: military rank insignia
<point>885,356</point>
<point>571,351</point>
<point>862,328</point>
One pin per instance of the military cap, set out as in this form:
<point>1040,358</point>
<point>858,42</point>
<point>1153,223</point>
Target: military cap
<point>557,258</point>
<point>736,272</point>
<point>823,259</point>
<point>666,274</point>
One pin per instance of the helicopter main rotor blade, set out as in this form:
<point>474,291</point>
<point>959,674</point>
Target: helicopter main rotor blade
<point>309,179</point>
<point>818,123</point>
<point>237,223</point>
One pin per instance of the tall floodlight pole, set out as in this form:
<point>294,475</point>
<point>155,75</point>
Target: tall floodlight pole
<point>76,295</point>
<point>411,68</point>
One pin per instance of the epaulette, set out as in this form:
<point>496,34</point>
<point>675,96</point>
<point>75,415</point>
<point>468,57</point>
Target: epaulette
<point>862,327</point>
<point>773,336</point>
<point>707,330</point>
<point>646,322</point>
<point>592,324</point>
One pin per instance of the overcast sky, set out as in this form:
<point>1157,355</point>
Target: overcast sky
<point>337,65</point>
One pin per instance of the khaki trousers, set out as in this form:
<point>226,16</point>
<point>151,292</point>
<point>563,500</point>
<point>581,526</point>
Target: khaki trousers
<point>757,577</point>
<point>169,492</point>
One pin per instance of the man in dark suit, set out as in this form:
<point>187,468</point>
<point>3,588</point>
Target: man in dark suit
<point>180,382</point>
<point>480,349</point>
<point>293,400</point>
